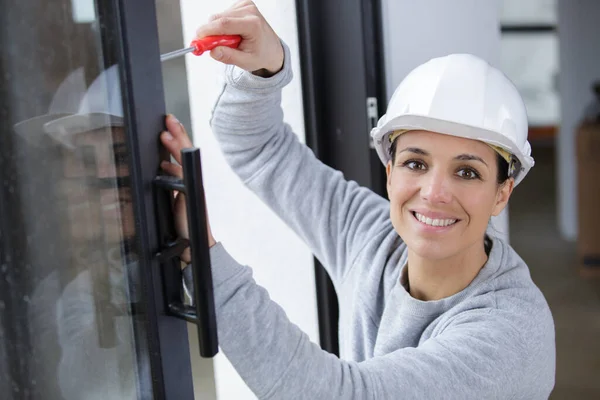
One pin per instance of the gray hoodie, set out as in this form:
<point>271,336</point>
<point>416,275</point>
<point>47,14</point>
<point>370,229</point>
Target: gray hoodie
<point>493,340</point>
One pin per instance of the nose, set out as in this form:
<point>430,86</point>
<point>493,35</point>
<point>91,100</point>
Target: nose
<point>105,167</point>
<point>435,188</point>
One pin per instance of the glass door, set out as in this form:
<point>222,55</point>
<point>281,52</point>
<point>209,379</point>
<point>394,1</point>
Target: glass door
<point>85,305</point>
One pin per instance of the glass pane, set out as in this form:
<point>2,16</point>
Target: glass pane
<point>71,309</point>
<point>530,60</point>
<point>528,12</point>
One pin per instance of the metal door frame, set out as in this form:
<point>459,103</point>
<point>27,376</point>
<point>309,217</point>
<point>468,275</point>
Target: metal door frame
<point>129,36</point>
<point>142,83</point>
<point>341,58</point>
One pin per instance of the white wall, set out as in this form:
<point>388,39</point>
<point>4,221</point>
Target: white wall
<point>416,31</point>
<point>250,231</point>
<point>578,34</point>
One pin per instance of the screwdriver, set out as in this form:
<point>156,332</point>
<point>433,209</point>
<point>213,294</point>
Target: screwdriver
<point>199,46</point>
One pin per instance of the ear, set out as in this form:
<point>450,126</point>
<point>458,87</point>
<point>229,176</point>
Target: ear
<point>503,196</point>
<point>388,173</point>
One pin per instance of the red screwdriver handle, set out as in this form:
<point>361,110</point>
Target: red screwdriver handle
<point>210,42</point>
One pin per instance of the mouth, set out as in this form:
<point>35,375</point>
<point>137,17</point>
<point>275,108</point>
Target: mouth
<point>115,208</point>
<point>435,222</point>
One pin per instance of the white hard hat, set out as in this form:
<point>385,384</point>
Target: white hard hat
<point>65,102</point>
<point>102,106</point>
<point>464,96</point>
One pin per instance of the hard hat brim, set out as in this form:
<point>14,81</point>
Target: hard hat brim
<point>32,129</point>
<point>63,129</point>
<point>381,133</point>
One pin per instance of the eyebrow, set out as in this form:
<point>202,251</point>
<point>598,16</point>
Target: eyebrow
<point>470,157</point>
<point>415,150</point>
<point>461,157</point>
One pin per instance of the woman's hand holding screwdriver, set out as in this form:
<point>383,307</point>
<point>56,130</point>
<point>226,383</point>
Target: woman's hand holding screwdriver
<point>260,51</point>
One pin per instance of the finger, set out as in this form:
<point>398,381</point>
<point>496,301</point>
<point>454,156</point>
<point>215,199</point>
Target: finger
<point>186,257</point>
<point>243,26</point>
<point>227,55</point>
<point>172,169</point>
<point>237,5</point>
<point>175,138</point>
<point>173,147</point>
<point>242,3</point>
<point>177,129</point>
<point>240,11</point>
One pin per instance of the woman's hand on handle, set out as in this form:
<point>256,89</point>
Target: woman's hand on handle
<point>260,50</point>
<point>175,139</point>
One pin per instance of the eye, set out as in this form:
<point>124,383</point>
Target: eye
<point>468,174</point>
<point>414,165</point>
<point>120,155</point>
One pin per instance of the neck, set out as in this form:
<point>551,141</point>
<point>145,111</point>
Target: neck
<point>437,279</point>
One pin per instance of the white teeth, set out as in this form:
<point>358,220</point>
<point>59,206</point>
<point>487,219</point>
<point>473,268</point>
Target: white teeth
<point>434,222</point>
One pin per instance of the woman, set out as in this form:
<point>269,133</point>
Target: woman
<point>431,307</point>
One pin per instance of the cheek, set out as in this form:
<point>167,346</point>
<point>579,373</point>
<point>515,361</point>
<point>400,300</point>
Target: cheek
<point>399,187</point>
<point>400,192</point>
<point>478,204</point>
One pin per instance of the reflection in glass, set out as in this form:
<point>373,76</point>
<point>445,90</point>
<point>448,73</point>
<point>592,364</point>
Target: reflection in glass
<point>72,323</point>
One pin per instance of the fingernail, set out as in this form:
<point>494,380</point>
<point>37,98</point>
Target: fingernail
<point>174,119</point>
<point>164,163</point>
<point>217,53</point>
<point>167,136</point>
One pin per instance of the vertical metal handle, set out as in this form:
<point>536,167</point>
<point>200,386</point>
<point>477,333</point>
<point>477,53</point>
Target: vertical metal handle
<point>203,312</point>
<point>201,269</point>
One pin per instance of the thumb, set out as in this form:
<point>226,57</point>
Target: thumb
<point>227,55</point>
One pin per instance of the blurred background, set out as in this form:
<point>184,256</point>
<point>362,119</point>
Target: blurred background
<point>547,51</point>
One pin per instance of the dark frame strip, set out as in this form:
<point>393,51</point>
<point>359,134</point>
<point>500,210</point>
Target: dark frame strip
<point>142,83</point>
<point>341,58</point>
<point>533,28</point>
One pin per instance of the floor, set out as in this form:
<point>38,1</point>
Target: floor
<point>574,301</point>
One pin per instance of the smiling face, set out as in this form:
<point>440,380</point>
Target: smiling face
<point>443,191</point>
<point>98,203</point>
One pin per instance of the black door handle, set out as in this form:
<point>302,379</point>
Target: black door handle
<point>203,287</point>
<point>203,312</point>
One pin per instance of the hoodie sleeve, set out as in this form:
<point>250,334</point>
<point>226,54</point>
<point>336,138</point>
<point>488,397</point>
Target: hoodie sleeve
<point>335,217</point>
<point>479,355</point>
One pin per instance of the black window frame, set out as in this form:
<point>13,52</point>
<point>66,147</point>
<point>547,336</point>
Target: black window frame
<point>145,110</point>
<point>342,65</point>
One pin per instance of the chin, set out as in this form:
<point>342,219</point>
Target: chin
<point>429,249</point>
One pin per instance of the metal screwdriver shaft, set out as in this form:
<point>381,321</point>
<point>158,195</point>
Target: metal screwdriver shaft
<point>176,53</point>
